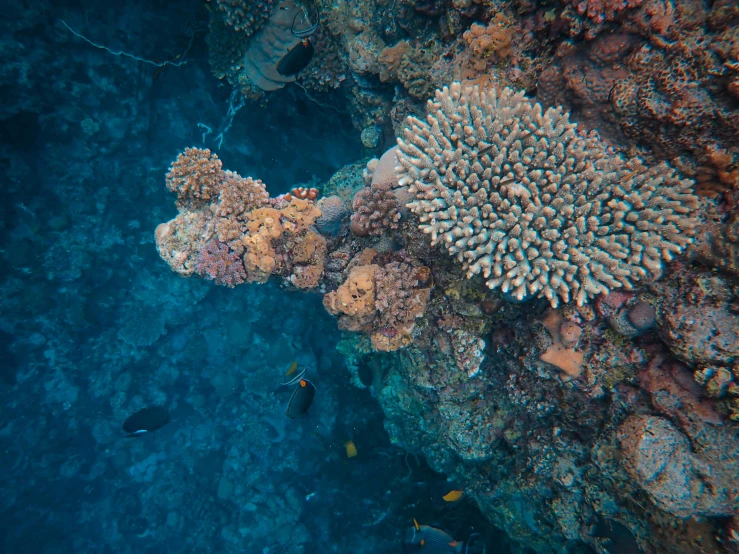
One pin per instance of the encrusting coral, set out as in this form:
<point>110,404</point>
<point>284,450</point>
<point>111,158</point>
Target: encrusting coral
<point>515,193</point>
<point>381,297</point>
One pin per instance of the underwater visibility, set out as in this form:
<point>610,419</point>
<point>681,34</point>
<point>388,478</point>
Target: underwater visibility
<point>369,276</point>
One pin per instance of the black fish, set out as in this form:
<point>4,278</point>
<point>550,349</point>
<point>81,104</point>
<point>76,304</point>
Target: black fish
<point>297,59</point>
<point>146,420</point>
<point>302,399</point>
<point>430,540</point>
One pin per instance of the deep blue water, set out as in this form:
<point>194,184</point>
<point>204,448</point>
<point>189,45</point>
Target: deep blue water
<point>94,326</point>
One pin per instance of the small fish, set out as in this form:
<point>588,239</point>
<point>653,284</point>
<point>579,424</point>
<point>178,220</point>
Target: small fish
<point>146,420</point>
<point>301,399</point>
<point>291,376</point>
<point>445,492</point>
<point>484,151</point>
<point>351,449</point>
<point>431,540</point>
<point>296,59</point>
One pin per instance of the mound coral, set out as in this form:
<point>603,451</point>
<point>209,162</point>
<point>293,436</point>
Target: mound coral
<point>279,241</point>
<point>333,214</point>
<point>515,193</point>
<point>491,43</point>
<point>659,457</point>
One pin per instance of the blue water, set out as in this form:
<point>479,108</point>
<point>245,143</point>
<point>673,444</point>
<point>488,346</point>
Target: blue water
<point>94,326</point>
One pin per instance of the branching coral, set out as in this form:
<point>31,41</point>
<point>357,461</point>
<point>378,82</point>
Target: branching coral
<point>375,211</point>
<point>217,262</point>
<point>240,195</point>
<point>196,177</point>
<point>244,15</point>
<point>515,193</point>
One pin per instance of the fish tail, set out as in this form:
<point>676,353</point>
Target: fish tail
<point>470,540</point>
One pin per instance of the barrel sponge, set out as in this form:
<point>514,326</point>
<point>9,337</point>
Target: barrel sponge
<point>517,194</point>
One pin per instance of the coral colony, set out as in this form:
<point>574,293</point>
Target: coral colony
<point>474,287</point>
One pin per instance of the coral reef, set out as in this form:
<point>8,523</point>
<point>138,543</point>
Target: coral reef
<point>240,237</point>
<point>587,399</point>
<point>517,195</point>
<point>244,15</point>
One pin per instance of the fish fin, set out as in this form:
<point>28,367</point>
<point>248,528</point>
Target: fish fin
<point>416,525</point>
<point>292,368</point>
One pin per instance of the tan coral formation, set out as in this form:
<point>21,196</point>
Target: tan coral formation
<point>491,43</point>
<point>515,193</point>
<point>180,240</point>
<point>279,241</point>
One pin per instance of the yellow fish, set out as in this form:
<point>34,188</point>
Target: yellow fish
<point>292,368</point>
<point>453,495</point>
<point>351,449</point>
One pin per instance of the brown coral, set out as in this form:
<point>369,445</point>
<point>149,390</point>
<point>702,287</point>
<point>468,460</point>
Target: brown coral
<point>380,297</point>
<point>375,211</point>
<point>400,301</point>
<point>240,195</point>
<point>196,177</point>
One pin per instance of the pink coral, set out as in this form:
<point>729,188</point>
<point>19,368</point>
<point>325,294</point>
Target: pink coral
<point>219,264</point>
<point>400,301</point>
